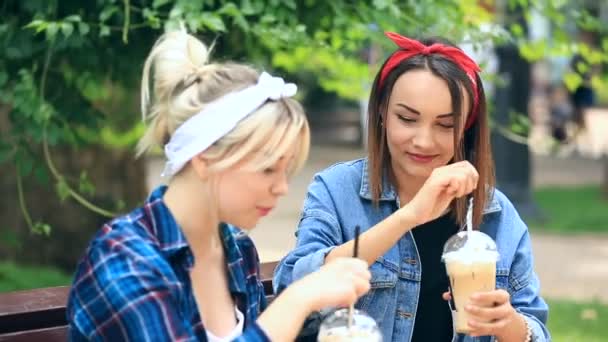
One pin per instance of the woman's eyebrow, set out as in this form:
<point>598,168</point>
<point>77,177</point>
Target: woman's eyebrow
<point>415,111</point>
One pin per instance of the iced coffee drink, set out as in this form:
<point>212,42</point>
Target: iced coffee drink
<point>335,328</point>
<point>470,259</point>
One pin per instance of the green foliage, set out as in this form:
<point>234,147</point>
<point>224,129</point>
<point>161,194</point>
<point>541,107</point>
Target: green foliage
<point>567,20</point>
<point>15,277</point>
<point>69,69</point>
<point>571,321</point>
<point>558,203</point>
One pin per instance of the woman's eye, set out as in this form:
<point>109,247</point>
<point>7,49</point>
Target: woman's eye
<point>448,126</point>
<point>405,118</point>
<point>268,171</point>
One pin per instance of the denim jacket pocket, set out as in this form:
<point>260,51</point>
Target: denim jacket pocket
<point>380,296</point>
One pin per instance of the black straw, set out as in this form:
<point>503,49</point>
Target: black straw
<point>356,249</point>
<point>355,254</point>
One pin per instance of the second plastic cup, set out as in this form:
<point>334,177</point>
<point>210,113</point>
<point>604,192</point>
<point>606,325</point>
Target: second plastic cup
<point>335,328</point>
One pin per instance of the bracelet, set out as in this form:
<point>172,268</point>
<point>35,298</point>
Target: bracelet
<point>528,330</point>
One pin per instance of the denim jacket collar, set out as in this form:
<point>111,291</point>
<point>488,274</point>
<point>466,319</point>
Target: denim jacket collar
<point>389,194</point>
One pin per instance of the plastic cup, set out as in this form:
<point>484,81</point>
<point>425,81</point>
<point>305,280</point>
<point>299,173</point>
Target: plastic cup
<point>470,259</point>
<point>335,328</point>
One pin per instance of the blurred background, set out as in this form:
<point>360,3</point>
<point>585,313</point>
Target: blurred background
<point>69,118</point>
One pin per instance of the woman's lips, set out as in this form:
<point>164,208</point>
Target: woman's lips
<point>421,158</point>
<point>263,211</point>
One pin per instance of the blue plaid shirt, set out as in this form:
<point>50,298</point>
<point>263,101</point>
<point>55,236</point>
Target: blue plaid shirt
<point>134,281</point>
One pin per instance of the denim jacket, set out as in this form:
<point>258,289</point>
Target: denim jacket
<point>339,199</point>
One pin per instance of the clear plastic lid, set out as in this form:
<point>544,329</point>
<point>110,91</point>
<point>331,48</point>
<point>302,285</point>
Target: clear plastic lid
<point>469,246</point>
<point>335,328</point>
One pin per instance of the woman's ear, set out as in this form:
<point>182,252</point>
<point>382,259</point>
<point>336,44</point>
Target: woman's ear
<point>200,166</point>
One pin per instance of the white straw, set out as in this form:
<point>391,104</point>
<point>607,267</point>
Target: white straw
<point>470,215</point>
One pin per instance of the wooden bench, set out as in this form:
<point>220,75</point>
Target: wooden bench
<point>39,314</point>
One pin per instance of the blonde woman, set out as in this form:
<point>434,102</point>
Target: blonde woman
<point>178,268</point>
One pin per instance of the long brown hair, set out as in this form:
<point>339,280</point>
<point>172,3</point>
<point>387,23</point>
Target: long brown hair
<point>473,144</point>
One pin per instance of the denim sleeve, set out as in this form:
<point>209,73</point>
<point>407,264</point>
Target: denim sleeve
<point>526,286</point>
<point>318,233</point>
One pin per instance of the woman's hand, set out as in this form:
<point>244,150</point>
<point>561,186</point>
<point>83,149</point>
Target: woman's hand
<point>443,185</point>
<point>490,313</point>
<point>340,283</point>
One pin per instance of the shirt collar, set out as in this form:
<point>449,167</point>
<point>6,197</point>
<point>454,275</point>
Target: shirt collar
<point>234,258</point>
<point>389,194</point>
<point>388,191</point>
<point>171,239</point>
<point>168,233</point>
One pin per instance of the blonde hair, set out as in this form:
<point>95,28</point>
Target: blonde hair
<point>183,83</point>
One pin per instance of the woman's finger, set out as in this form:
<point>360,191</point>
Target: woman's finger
<point>488,314</point>
<point>490,298</point>
<point>486,328</point>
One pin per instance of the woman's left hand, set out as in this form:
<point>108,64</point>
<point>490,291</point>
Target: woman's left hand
<point>490,313</point>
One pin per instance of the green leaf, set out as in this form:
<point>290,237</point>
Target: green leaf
<point>83,28</point>
<point>212,21</point>
<point>73,18</point>
<point>104,31</point>
<point>63,190</point>
<point>152,18</point>
<point>572,80</point>
<point>67,29</point>
<point>582,67</point>
<point>37,25</point>
<point>533,51</point>
<point>381,4</point>
<point>84,185</point>
<point>291,4</point>
<point>241,22</point>
<point>247,8</point>
<point>51,31</point>
<point>268,19</point>
<point>517,30</point>
<point>159,3</point>
<point>229,9</point>
<point>107,13</point>
<point>41,229</point>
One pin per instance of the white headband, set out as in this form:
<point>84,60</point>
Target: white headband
<point>220,117</point>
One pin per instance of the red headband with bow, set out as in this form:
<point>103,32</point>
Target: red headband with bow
<point>411,47</point>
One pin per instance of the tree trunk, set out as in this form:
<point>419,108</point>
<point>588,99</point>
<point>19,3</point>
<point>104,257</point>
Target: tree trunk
<point>513,165</point>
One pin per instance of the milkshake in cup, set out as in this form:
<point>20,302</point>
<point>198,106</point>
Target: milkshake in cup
<point>335,328</point>
<point>470,260</point>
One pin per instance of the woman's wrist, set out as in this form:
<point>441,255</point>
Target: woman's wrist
<point>522,333</point>
<point>296,296</point>
<point>407,218</point>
